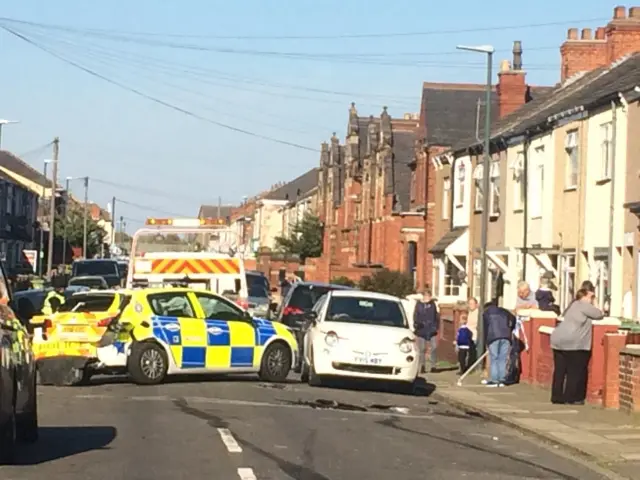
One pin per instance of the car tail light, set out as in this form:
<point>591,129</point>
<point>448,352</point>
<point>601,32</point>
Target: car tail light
<point>243,303</point>
<point>105,321</point>
<point>47,324</point>
<point>289,310</point>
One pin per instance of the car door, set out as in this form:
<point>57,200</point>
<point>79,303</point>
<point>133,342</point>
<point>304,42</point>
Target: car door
<point>231,334</point>
<point>311,328</point>
<point>175,324</point>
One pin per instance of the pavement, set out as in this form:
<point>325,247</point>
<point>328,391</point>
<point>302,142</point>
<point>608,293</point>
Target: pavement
<point>238,428</point>
<point>609,438</point>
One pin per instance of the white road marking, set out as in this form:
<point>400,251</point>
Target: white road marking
<point>247,474</point>
<point>229,441</point>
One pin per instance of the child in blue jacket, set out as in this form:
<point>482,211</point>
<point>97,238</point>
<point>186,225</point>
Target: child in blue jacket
<point>464,347</point>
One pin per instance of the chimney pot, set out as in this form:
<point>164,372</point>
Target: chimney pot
<point>572,34</point>
<point>634,12</point>
<point>619,12</point>
<point>504,66</point>
<point>586,34</point>
<point>517,55</point>
<point>600,33</point>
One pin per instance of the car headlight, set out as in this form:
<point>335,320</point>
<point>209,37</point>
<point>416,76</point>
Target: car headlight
<point>406,345</point>
<point>331,339</point>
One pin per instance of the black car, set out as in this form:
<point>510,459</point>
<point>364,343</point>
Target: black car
<point>36,296</point>
<point>18,391</point>
<point>300,299</point>
<point>105,268</point>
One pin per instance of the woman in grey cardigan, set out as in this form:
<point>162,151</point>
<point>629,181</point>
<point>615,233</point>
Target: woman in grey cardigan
<point>571,344</point>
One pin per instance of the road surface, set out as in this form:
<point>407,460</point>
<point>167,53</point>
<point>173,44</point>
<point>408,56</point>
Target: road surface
<point>239,428</point>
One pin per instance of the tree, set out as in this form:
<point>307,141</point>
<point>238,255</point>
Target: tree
<point>71,226</point>
<point>398,284</point>
<point>305,240</point>
<point>342,280</point>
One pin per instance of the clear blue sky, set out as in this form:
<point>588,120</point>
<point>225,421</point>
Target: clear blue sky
<point>116,136</point>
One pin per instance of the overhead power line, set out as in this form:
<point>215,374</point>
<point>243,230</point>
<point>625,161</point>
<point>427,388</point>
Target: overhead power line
<point>108,32</point>
<point>153,98</point>
<point>149,209</point>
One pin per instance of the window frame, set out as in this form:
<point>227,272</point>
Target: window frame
<point>536,204</point>
<point>572,160</point>
<point>461,180</point>
<point>219,299</point>
<point>518,182</point>
<point>446,198</point>
<point>606,150</point>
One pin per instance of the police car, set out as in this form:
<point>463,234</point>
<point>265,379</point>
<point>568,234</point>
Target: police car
<point>165,331</point>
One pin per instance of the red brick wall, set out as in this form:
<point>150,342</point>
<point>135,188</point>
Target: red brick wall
<point>614,343</point>
<point>630,380</point>
<point>544,360</point>
<point>597,380</point>
<point>512,90</point>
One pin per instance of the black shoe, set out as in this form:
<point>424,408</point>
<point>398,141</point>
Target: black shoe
<point>558,402</point>
<point>579,402</point>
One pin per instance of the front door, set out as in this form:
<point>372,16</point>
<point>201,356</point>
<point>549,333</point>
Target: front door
<point>233,343</point>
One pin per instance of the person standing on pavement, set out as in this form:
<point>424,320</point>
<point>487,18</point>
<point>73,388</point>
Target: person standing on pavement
<point>498,330</point>
<point>571,343</point>
<point>472,325</point>
<point>464,342</point>
<point>426,322</point>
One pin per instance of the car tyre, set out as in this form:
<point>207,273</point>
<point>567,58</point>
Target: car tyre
<point>408,388</point>
<point>27,428</point>
<point>276,363</point>
<point>85,378</point>
<point>8,441</point>
<point>313,379</point>
<point>148,363</point>
<point>304,371</point>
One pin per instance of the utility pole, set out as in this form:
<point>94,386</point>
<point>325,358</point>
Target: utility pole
<point>86,208</point>
<point>113,221</point>
<point>64,225</point>
<point>52,218</point>
<point>42,214</point>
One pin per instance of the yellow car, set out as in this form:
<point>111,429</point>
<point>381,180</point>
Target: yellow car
<point>63,343</point>
<point>162,331</point>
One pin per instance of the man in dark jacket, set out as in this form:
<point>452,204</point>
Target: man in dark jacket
<point>498,330</point>
<point>426,321</point>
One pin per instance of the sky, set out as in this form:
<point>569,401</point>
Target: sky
<point>163,151</point>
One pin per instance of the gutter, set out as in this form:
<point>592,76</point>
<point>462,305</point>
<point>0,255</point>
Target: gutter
<point>525,206</point>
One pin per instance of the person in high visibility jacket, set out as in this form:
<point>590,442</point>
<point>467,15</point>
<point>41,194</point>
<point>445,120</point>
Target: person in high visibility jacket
<point>55,298</point>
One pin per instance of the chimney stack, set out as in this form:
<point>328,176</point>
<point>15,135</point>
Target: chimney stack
<point>512,88</point>
<point>634,13</point>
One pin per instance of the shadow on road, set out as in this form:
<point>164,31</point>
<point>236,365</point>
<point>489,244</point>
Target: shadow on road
<point>394,422</point>
<point>183,379</point>
<point>61,442</point>
<point>422,388</point>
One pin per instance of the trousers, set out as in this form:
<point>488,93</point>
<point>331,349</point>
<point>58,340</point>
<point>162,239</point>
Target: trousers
<point>570,375</point>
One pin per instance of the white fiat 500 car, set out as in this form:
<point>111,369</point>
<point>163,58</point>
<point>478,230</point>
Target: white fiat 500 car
<point>357,334</point>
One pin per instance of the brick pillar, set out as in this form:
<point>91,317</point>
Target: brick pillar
<point>536,349</point>
<point>614,343</point>
<point>630,380</point>
<point>595,384</point>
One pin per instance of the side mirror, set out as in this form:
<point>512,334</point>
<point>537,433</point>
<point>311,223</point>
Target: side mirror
<point>311,318</point>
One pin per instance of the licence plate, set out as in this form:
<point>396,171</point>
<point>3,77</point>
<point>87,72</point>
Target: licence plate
<point>367,361</point>
<point>80,329</point>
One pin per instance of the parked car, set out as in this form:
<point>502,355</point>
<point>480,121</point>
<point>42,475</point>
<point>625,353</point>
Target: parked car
<point>90,281</point>
<point>18,391</point>
<point>300,299</point>
<point>105,268</point>
<point>255,277</point>
<point>259,301</point>
<point>36,296</point>
<point>359,334</point>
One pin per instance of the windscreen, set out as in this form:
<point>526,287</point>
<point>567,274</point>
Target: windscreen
<point>258,291</point>
<point>370,311</point>
<point>305,296</point>
<point>95,268</point>
<point>88,303</point>
<point>173,240</point>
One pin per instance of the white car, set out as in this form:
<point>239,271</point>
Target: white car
<point>359,334</point>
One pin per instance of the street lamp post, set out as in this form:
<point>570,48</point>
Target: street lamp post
<point>486,164</point>
<point>2,124</point>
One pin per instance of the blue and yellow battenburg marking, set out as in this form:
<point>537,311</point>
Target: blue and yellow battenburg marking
<point>214,344</point>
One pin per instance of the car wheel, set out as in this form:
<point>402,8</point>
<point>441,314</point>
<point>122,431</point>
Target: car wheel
<point>27,430</point>
<point>276,363</point>
<point>8,441</point>
<point>304,371</point>
<point>408,388</point>
<point>313,379</point>
<point>148,363</point>
<point>85,378</point>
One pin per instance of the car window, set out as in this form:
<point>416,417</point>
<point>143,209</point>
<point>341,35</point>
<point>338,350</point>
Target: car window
<point>88,303</point>
<point>305,296</point>
<point>96,282</point>
<point>372,311</point>
<point>317,308</point>
<point>254,279</point>
<point>96,268</point>
<point>171,304</point>
<point>257,290</point>
<point>216,308</point>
